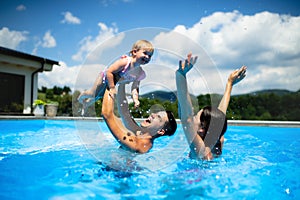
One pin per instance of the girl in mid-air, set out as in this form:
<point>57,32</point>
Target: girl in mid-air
<point>126,69</point>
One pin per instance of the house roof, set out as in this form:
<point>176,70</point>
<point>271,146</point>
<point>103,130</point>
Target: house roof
<point>10,52</point>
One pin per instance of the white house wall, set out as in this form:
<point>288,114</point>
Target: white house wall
<point>18,63</point>
<point>27,72</point>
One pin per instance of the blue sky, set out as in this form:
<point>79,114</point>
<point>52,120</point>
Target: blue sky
<point>262,34</point>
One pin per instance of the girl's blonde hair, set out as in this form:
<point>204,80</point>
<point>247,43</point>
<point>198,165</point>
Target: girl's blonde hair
<point>142,44</point>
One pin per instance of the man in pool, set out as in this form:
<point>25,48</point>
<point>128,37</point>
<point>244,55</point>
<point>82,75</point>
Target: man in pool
<point>130,135</point>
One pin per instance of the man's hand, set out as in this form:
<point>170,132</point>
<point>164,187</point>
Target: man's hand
<point>112,92</point>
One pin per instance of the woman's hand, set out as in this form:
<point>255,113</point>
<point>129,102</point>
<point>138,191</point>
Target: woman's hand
<point>237,75</point>
<point>185,67</point>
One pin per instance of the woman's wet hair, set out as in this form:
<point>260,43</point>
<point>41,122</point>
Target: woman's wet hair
<point>215,125</point>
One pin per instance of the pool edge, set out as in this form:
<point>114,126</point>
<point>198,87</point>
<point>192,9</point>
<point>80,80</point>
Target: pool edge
<point>230,122</point>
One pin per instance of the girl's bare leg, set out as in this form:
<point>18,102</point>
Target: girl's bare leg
<point>90,93</point>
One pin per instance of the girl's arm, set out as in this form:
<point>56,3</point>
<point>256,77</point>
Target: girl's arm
<point>123,109</point>
<point>114,68</point>
<point>135,87</point>
<point>135,93</point>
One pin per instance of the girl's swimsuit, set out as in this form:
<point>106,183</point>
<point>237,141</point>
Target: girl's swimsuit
<point>126,74</point>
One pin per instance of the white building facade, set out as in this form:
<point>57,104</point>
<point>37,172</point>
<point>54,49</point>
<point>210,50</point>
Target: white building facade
<point>19,80</point>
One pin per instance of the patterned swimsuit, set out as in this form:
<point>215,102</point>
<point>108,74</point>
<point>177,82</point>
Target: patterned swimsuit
<point>124,76</point>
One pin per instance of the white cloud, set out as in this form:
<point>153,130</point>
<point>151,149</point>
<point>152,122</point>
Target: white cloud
<point>21,7</point>
<point>89,44</point>
<point>227,36</point>
<point>268,43</point>
<point>36,46</point>
<point>60,76</point>
<point>266,77</point>
<point>48,40</point>
<point>82,77</point>
<point>70,19</point>
<point>265,42</point>
<point>76,77</point>
<point>11,39</point>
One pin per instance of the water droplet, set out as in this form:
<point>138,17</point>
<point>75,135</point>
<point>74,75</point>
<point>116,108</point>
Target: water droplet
<point>287,190</point>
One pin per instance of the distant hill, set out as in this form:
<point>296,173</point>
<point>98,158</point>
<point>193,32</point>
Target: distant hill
<point>273,104</point>
<point>161,95</point>
<point>171,96</point>
<point>279,92</point>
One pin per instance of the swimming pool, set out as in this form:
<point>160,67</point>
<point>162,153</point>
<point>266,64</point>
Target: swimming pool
<point>70,159</point>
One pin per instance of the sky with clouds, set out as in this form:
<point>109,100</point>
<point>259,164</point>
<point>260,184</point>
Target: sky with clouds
<point>86,36</point>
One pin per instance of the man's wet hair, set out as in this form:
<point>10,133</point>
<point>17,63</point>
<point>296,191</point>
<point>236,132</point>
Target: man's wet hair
<point>171,125</point>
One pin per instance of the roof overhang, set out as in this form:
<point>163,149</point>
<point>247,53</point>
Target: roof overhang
<point>24,59</point>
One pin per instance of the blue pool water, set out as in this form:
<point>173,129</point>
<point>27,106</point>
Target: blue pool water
<point>65,159</point>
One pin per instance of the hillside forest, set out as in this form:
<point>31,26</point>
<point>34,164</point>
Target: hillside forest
<point>277,105</point>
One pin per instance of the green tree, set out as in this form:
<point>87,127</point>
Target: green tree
<point>57,90</point>
<point>49,94</point>
<point>257,106</point>
<point>66,90</point>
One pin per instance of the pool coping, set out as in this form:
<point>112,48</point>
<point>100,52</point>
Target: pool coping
<point>230,122</point>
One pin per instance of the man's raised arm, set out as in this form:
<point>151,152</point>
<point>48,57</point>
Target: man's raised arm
<point>124,111</point>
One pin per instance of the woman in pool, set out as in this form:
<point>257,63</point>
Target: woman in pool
<point>126,69</point>
<point>204,131</point>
